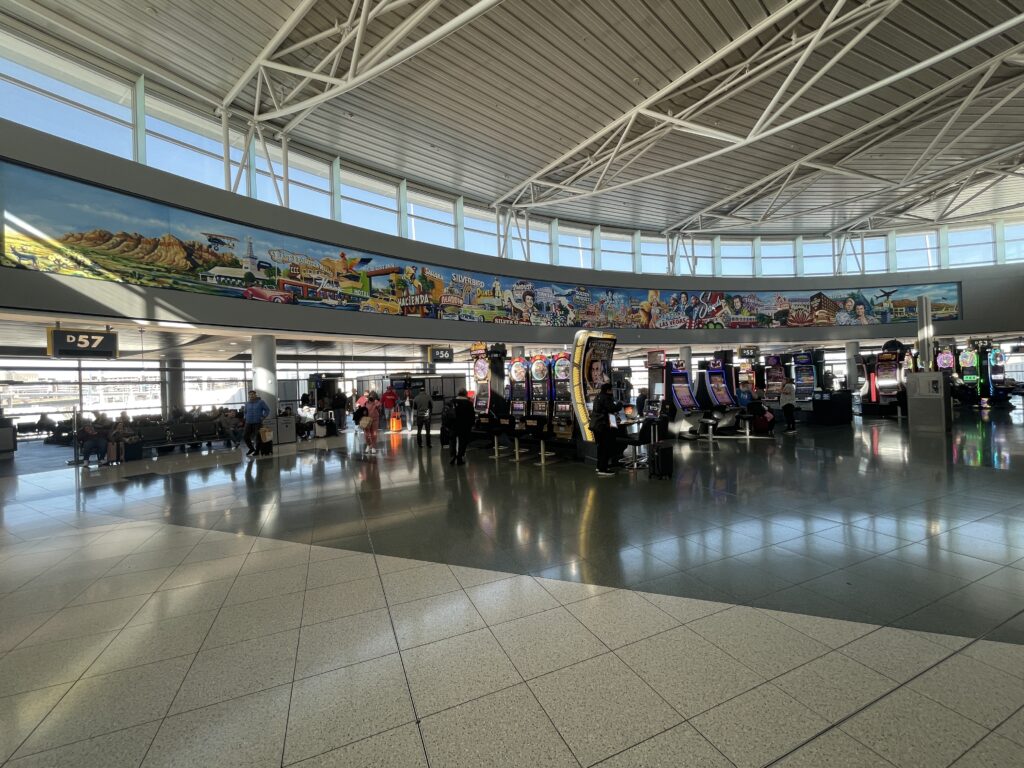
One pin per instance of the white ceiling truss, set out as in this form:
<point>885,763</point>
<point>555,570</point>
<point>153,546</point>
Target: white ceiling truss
<point>294,78</point>
<point>952,109</point>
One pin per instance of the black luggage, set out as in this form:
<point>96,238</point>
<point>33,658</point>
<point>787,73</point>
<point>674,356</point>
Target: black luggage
<point>133,451</point>
<point>332,428</point>
<point>660,460</point>
<point>265,448</point>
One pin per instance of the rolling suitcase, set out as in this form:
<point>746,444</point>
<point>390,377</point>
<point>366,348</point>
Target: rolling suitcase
<point>320,429</point>
<point>660,461</point>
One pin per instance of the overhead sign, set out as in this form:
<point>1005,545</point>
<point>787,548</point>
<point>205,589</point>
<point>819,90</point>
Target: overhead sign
<point>71,342</point>
<point>749,352</point>
<point>442,355</point>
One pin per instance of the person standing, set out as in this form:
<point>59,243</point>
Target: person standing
<point>371,422</point>
<point>424,408</point>
<point>256,410</point>
<point>388,401</point>
<point>462,426</point>
<point>338,404</point>
<point>787,399</point>
<point>406,408</point>
<point>601,415</point>
<point>641,402</point>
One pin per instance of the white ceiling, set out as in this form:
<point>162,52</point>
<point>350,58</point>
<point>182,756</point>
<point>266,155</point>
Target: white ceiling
<point>493,104</point>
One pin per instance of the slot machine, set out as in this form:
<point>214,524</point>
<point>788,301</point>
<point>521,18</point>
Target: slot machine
<point>657,376</point>
<point>774,377</point>
<point>482,378</point>
<point>888,376</point>
<point>518,389</point>
<point>945,362</point>
<point>539,413</point>
<point>688,412</point>
<point>561,396</point>
<point>745,375</point>
<point>969,368</point>
<point>804,376</point>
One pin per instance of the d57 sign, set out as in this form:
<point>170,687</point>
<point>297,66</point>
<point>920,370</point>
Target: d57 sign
<point>70,342</point>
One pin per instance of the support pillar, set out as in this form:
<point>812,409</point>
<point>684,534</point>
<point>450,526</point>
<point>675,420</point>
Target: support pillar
<point>264,369</point>
<point>686,360</point>
<point>925,333</point>
<point>852,372</point>
<point>428,365</point>
<point>172,386</point>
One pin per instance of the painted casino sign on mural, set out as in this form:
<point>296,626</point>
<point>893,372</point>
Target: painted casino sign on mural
<point>56,225</point>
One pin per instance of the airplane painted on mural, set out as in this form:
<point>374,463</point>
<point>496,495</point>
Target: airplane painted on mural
<point>216,242</point>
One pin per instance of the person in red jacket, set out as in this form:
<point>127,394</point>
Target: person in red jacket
<point>389,400</point>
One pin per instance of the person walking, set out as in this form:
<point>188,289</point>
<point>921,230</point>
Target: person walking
<point>406,408</point>
<point>338,405</point>
<point>423,406</point>
<point>371,422</point>
<point>462,426</point>
<point>787,399</point>
<point>388,401</point>
<point>601,416</point>
<point>256,410</point>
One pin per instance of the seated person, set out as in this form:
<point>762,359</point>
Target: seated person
<point>121,432</point>
<point>90,441</point>
<point>231,427</point>
<point>744,395</point>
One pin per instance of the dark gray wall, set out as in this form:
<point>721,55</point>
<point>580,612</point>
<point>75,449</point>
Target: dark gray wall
<point>990,296</point>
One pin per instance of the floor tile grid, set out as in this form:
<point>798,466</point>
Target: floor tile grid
<point>899,686</point>
<point>402,652</point>
<point>72,597</point>
<point>72,684</point>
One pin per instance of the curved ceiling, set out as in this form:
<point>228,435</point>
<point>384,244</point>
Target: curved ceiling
<point>739,116</point>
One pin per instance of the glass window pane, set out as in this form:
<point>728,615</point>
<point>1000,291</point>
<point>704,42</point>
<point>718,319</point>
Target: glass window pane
<point>654,265</point>
<point>365,189</point>
<point>428,231</point>
<point>369,217</point>
<point>315,202</point>
<point>430,207</point>
<point>184,161</point>
<point>480,220</point>
<point>966,255</point>
<point>44,114</point>
<point>970,236</point>
<point>575,257</point>
<point>818,265</point>
<point>777,267</point>
<point>737,249</point>
<point>481,242</point>
<point>618,262</point>
<point>540,253</point>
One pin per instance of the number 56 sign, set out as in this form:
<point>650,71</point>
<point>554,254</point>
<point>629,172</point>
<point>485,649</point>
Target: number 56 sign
<point>69,342</point>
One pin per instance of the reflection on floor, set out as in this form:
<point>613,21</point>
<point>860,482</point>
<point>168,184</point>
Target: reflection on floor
<point>835,598</point>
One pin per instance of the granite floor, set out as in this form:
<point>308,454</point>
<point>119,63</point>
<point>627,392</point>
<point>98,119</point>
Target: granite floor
<point>837,598</point>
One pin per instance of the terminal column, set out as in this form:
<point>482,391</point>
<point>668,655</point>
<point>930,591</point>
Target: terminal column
<point>686,360</point>
<point>172,386</point>
<point>852,372</point>
<point>264,369</point>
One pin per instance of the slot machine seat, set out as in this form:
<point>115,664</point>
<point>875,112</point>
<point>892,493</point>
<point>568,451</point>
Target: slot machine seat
<point>634,436</point>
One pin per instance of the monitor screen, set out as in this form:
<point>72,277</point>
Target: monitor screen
<point>658,390</point>
<point>683,395</point>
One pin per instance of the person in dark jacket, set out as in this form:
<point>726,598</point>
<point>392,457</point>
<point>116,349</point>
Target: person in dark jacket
<point>641,402</point>
<point>603,409</point>
<point>462,427</point>
<point>339,404</point>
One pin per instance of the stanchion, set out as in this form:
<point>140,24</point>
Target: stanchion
<point>518,458</point>
<point>74,439</point>
<point>496,455</point>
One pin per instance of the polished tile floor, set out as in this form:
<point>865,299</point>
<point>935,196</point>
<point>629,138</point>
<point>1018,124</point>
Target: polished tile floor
<point>837,598</point>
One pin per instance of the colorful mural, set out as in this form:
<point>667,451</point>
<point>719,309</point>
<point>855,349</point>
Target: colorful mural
<point>57,225</point>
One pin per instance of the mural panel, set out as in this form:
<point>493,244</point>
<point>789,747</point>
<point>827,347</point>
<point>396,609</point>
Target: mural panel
<point>60,226</point>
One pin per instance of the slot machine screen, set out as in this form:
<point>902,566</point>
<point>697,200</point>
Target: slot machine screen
<point>683,395</point>
<point>658,391</point>
<point>519,407</point>
<point>719,389</point>
<point>945,361</point>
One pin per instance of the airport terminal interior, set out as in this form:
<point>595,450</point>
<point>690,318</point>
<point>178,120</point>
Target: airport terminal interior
<point>470,383</point>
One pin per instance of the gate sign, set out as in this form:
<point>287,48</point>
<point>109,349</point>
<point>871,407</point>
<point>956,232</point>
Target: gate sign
<point>441,355</point>
<point>71,342</point>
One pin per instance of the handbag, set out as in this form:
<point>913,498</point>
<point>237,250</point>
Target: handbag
<point>266,434</point>
<point>365,422</point>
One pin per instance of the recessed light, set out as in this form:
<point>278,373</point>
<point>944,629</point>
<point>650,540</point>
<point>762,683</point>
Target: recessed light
<point>233,343</point>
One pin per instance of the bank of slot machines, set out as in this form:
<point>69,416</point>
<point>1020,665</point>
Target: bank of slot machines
<point>804,376</point>
<point>774,377</point>
<point>745,375</point>
<point>969,371</point>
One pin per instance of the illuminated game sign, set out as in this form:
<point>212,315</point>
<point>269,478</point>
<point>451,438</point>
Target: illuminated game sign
<point>591,367</point>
